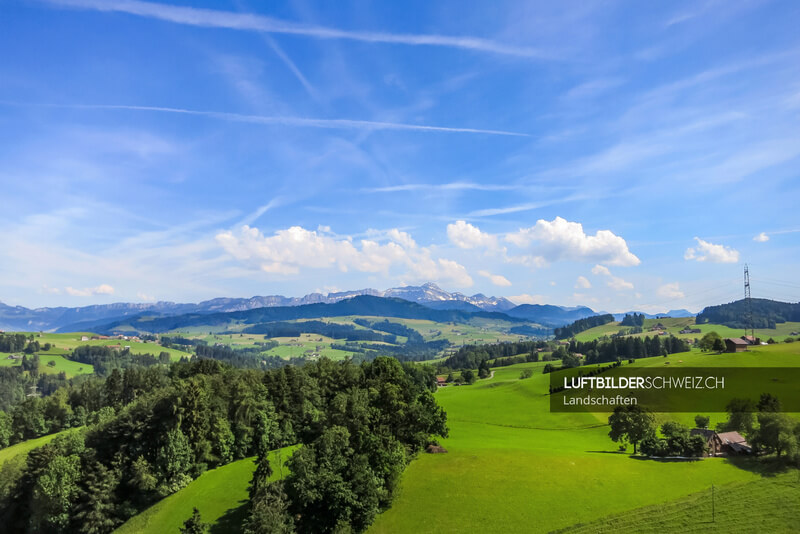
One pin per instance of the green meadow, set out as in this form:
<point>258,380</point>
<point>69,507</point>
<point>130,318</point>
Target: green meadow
<point>675,325</point>
<point>59,364</point>
<point>219,495</point>
<point>24,447</point>
<point>512,466</point>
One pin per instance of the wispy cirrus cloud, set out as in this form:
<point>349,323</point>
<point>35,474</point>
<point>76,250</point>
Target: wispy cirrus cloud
<point>302,122</point>
<point>210,18</point>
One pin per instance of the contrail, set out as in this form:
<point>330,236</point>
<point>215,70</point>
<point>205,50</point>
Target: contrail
<point>334,124</point>
<point>211,18</point>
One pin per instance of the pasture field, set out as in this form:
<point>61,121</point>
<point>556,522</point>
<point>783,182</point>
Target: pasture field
<point>63,343</point>
<point>218,494</point>
<point>60,364</point>
<point>24,447</point>
<point>770,504</point>
<point>479,330</point>
<point>675,325</point>
<point>512,466</point>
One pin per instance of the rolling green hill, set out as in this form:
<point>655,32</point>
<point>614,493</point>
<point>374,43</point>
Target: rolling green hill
<point>514,466</point>
<point>218,494</point>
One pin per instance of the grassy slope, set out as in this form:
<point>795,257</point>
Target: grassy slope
<point>61,364</point>
<point>24,447</point>
<point>767,505</point>
<point>514,466</point>
<point>675,325</point>
<point>218,495</point>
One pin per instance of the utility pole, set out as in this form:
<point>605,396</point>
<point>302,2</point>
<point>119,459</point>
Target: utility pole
<point>748,303</point>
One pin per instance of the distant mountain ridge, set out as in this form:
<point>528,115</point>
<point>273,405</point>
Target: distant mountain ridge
<point>360,305</point>
<point>84,317</point>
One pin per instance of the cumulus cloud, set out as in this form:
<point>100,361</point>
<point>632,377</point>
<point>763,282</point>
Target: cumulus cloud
<point>464,235</point>
<point>145,297</point>
<point>496,279</point>
<point>560,239</point>
<point>582,283</point>
<point>614,282</point>
<point>102,289</point>
<point>292,249</point>
<point>670,291</point>
<point>710,252</point>
<point>401,238</point>
<point>761,238</point>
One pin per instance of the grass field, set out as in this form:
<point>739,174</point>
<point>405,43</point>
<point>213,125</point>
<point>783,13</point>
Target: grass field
<point>513,466</point>
<point>63,343</point>
<point>218,494</point>
<point>25,447</point>
<point>675,325</point>
<point>770,504</point>
<point>60,364</point>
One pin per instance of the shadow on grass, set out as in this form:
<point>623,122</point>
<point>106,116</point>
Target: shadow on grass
<point>232,521</point>
<point>768,466</point>
<point>667,460</point>
<point>607,452</point>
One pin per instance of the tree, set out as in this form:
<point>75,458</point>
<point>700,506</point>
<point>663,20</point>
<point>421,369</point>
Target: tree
<point>527,373</point>
<point>174,460</point>
<point>701,421</point>
<point>95,509</point>
<point>468,376</point>
<point>740,416</point>
<point>776,433</point>
<point>483,369</point>
<point>194,525</point>
<point>629,424</point>
<point>768,403</point>
<point>708,341</point>
<point>270,513</point>
<point>719,345</point>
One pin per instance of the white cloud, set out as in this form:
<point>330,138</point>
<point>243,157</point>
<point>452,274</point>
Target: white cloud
<point>496,279</point>
<point>552,283</point>
<point>292,249</point>
<point>464,235</point>
<point>619,284</point>
<point>670,291</point>
<point>582,283</point>
<point>710,252</point>
<point>614,282</point>
<point>560,239</point>
<point>102,289</point>
<point>145,297</point>
<point>210,18</point>
<point>528,299</point>
<point>401,238</point>
<point>761,238</point>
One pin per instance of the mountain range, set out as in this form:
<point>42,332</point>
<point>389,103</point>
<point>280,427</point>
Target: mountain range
<point>429,295</point>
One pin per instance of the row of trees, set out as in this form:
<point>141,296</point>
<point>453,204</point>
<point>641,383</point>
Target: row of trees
<point>607,350</point>
<point>152,433</point>
<point>580,325</point>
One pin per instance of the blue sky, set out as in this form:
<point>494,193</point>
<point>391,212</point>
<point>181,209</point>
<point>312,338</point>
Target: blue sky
<point>620,155</point>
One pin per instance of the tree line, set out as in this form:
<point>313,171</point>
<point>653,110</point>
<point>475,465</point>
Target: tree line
<point>580,325</point>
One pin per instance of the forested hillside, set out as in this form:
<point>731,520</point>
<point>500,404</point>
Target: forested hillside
<point>766,313</point>
<point>149,432</point>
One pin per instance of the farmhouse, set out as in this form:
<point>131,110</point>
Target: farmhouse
<point>722,444</point>
<point>735,344</point>
<point>713,441</point>
<point>752,340</point>
<point>734,443</point>
<point>441,381</point>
